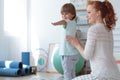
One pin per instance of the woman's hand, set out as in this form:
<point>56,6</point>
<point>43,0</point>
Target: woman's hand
<point>73,41</point>
<point>76,43</point>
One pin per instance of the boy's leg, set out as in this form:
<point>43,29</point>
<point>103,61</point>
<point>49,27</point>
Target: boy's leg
<point>66,67</point>
<point>68,64</point>
<point>74,60</point>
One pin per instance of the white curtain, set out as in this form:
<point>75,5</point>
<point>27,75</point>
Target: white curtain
<point>16,27</point>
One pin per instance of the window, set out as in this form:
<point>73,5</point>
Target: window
<point>16,24</point>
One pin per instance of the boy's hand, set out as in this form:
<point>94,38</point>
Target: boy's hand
<point>54,24</point>
<point>61,22</point>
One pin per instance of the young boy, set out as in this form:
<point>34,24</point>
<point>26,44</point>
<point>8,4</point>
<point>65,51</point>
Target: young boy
<point>69,54</point>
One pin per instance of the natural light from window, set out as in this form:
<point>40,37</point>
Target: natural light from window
<point>15,17</point>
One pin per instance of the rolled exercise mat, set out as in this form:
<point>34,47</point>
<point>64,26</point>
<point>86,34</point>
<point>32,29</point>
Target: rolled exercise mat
<point>10,72</point>
<point>2,64</point>
<point>28,67</point>
<point>26,58</point>
<point>16,65</point>
<point>11,64</point>
<point>24,71</point>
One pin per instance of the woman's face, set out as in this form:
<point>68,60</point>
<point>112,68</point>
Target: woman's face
<point>92,14</point>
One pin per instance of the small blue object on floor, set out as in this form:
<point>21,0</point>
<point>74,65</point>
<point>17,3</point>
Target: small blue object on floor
<point>26,58</point>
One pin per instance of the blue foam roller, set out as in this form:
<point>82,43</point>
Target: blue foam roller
<point>10,64</point>
<point>10,72</point>
<point>28,67</point>
<point>16,65</point>
<point>26,58</point>
<point>24,71</point>
<point>2,64</point>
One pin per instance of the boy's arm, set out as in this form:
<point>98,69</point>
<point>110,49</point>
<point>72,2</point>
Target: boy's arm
<point>61,22</point>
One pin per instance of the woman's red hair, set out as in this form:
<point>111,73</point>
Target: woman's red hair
<point>107,12</point>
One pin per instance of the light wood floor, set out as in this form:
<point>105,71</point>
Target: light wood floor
<point>38,76</point>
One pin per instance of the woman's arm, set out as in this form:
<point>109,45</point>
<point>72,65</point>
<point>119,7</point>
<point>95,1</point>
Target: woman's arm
<point>61,22</point>
<point>76,43</point>
<point>89,50</point>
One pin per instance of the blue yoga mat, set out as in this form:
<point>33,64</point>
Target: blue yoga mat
<point>10,72</point>
<point>26,58</point>
<point>10,64</point>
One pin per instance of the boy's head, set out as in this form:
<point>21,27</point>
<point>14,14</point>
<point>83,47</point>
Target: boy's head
<point>68,11</point>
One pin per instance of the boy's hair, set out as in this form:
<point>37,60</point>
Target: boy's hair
<point>68,8</point>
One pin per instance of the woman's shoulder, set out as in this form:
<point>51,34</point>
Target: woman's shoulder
<point>96,27</point>
<point>92,28</point>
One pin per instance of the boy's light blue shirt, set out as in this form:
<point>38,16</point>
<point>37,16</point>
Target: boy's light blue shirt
<point>65,47</point>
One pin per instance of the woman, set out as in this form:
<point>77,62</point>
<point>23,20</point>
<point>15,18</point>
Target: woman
<point>99,46</point>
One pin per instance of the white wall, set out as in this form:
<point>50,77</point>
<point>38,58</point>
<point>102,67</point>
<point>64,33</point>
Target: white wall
<point>42,14</point>
<point>3,39</point>
<point>1,16</point>
<point>4,48</point>
<point>116,31</point>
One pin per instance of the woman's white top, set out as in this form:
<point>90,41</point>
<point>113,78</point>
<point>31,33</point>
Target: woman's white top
<point>99,50</point>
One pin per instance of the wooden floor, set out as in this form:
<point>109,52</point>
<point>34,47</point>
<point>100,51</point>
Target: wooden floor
<point>38,76</point>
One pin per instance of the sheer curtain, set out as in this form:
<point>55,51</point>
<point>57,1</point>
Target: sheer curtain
<point>16,26</point>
